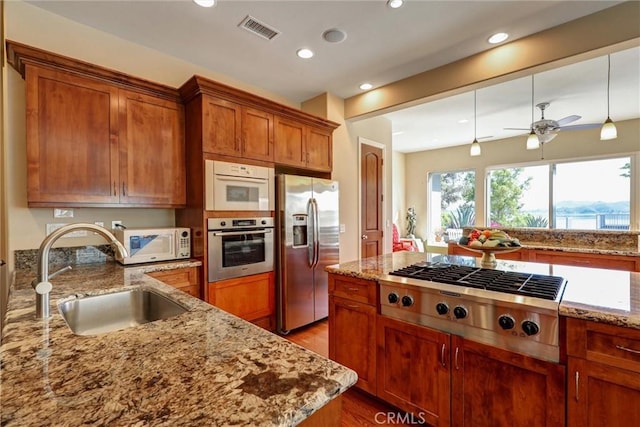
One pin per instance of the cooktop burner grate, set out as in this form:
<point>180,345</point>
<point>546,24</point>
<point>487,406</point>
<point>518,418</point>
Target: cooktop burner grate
<point>526,284</point>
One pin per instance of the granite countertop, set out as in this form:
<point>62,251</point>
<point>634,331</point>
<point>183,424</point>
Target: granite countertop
<point>608,296</point>
<point>203,367</point>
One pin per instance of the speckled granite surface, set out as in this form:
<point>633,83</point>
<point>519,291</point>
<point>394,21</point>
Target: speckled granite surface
<point>609,296</point>
<point>584,241</point>
<point>201,368</point>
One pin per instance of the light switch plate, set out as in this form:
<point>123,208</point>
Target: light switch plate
<point>342,228</point>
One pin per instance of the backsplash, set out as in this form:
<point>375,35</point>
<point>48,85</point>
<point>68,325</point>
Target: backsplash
<point>579,239</point>
<point>28,258</point>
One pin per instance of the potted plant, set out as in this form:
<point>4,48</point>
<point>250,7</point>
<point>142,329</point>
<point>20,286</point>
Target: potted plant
<point>411,222</point>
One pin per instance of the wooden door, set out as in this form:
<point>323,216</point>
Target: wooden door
<point>289,142</point>
<point>413,370</point>
<point>601,395</point>
<point>152,151</point>
<point>72,140</point>
<point>371,201</point>
<point>498,388</point>
<point>257,134</point>
<point>319,149</point>
<point>221,126</point>
<point>352,339</point>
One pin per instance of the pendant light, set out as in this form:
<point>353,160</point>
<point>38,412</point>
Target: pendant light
<point>475,149</point>
<point>608,130</point>
<point>533,142</point>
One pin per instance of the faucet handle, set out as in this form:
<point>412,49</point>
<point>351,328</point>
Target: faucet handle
<point>62,270</point>
<point>43,288</point>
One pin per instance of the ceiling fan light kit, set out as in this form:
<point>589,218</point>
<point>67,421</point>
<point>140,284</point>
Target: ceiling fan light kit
<point>533,142</point>
<point>608,130</point>
<point>475,149</point>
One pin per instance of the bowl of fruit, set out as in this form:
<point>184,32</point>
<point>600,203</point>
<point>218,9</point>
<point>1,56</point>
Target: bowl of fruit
<point>489,242</point>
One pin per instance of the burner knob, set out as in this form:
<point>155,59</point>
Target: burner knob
<point>407,301</point>
<point>442,308</point>
<point>393,298</point>
<point>530,328</point>
<point>460,312</point>
<point>506,322</point>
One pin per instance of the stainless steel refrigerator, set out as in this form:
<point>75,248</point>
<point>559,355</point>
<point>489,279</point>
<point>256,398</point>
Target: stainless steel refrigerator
<point>308,227</point>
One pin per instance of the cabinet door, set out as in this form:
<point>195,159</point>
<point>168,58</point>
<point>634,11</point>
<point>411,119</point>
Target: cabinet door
<point>499,388</point>
<point>249,297</point>
<point>319,149</point>
<point>601,395</point>
<point>413,370</point>
<point>152,162</point>
<point>352,339</point>
<point>257,134</point>
<point>290,143</point>
<point>72,141</point>
<point>221,126</point>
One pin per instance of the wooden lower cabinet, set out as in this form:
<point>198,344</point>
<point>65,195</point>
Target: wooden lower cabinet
<point>413,370</point>
<point>492,387</point>
<point>603,381</point>
<point>352,339</point>
<point>446,380</point>
<point>186,279</point>
<point>251,298</point>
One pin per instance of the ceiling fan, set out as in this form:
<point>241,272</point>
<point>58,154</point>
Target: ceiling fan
<point>547,129</point>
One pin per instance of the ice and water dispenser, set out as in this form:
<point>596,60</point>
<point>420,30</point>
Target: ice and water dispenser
<point>299,230</point>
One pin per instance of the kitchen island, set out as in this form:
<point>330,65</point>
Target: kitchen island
<point>203,367</point>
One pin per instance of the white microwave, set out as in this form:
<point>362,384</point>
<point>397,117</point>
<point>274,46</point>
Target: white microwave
<point>238,187</point>
<point>154,244</point>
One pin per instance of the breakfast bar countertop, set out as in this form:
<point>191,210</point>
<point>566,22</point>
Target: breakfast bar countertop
<point>202,367</point>
<point>601,295</point>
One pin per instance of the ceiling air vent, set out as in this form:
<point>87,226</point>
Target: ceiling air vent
<point>258,28</point>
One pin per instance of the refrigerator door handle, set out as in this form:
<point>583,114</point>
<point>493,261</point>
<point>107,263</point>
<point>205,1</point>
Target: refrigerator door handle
<point>311,238</point>
<point>316,234</point>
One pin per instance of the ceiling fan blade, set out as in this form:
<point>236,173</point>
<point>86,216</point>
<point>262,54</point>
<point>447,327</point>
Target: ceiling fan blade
<point>580,127</point>
<point>516,128</point>
<point>568,119</point>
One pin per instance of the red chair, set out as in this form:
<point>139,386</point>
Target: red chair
<point>402,245</point>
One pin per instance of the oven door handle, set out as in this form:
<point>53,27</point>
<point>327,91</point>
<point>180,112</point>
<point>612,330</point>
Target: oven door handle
<point>241,179</point>
<point>240,233</point>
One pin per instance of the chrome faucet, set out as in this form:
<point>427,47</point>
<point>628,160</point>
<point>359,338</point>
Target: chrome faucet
<point>41,284</point>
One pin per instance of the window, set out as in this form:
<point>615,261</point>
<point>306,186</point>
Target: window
<point>519,197</point>
<point>587,195</point>
<point>451,204</point>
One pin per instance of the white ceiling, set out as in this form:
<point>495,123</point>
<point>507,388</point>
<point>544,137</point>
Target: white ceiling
<point>382,45</point>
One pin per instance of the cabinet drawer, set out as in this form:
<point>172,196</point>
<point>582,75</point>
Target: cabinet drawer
<point>611,345</point>
<point>360,290</point>
<point>178,278</point>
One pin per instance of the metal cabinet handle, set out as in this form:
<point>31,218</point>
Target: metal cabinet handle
<point>444,364</point>
<point>457,367</point>
<point>115,188</point>
<point>353,289</point>
<point>630,350</point>
<point>364,237</point>
<point>124,193</point>
<point>353,306</point>
<point>577,386</point>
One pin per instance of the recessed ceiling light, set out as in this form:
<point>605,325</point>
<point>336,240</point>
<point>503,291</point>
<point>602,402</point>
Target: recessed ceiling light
<point>366,86</point>
<point>304,53</point>
<point>498,38</point>
<point>334,35</point>
<point>463,121</point>
<point>205,3</point>
<point>394,4</point>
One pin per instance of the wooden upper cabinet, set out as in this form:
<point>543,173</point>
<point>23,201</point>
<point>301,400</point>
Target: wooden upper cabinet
<point>290,142</point>
<point>301,145</point>
<point>257,134</point>
<point>72,139</point>
<point>97,137</point>
<point>151,141</point>
<point>221,128</point>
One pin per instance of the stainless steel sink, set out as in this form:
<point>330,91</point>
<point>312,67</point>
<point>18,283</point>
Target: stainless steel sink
<point>97,314</point>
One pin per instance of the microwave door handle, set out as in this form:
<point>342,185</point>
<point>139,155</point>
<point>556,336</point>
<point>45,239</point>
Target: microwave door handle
<point>316,233</point>
<point>310,235</point>
<point>240,233</point>
<point>241,178</point>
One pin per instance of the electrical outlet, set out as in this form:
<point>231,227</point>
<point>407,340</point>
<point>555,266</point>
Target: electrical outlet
<point>114,223</point>
<point>53,227</point>
<point>99,223</point>
<point>62,213</point>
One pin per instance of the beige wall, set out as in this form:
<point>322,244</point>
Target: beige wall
<point>398,205</point>
<point>511,151</point>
